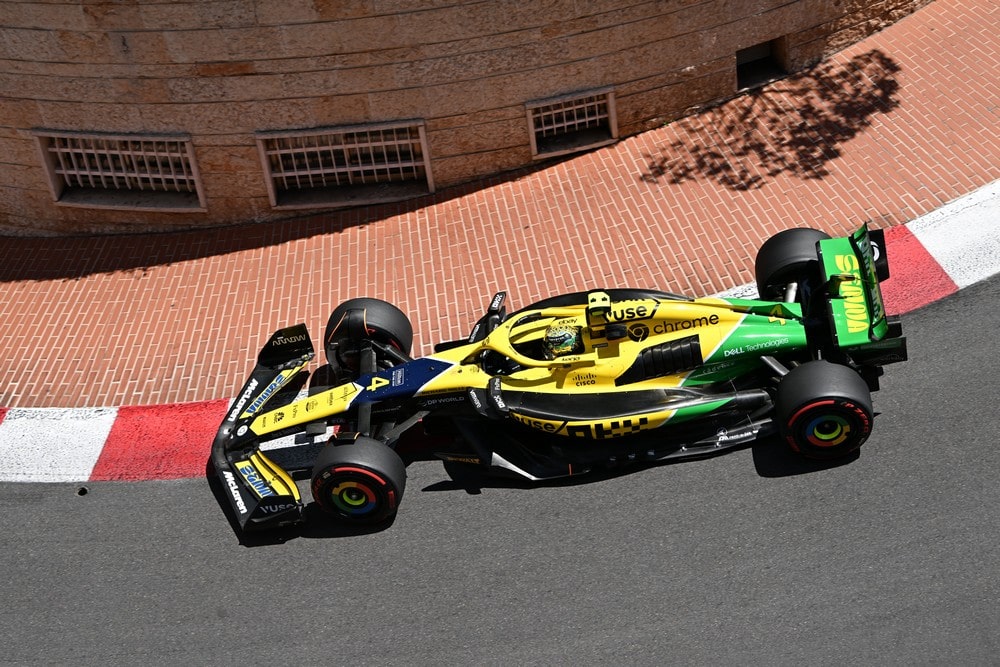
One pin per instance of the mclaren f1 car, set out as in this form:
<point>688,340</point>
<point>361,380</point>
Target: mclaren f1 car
<point>568,385</point>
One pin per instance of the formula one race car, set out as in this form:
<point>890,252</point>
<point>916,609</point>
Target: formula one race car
<point>570,384</point>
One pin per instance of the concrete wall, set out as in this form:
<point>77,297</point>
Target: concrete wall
<point>222,70</point>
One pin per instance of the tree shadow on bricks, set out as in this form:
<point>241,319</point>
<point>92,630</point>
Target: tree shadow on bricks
<point>794,126</point>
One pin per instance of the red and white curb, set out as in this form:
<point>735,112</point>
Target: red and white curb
<point>932,257</point>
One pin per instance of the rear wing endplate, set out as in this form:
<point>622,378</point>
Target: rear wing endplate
<point>853,267</point>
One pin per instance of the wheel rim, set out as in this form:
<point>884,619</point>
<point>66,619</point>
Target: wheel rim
<point>828,431</point>
<point>828,425</point>
<point>353,498</point>
<point>359,494</point>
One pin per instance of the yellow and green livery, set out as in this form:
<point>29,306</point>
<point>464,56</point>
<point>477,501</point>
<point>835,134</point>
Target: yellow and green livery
<point>571,383</point>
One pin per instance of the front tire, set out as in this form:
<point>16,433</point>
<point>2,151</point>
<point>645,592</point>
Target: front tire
<point>824,410</point>
<point>357,320</point>
<point>360,483</point>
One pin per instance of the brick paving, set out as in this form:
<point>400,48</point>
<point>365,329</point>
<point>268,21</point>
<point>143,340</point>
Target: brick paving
<point>885,131</point>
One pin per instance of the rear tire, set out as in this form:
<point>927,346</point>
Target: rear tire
<point>824,410</point>
<point>357,320</point>
<point>359,483</point>
<point>785,258</point>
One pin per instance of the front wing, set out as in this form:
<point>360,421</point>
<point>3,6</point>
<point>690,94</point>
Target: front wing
<point>260,493</point>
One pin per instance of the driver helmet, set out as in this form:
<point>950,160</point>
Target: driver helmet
<point>562,339</point>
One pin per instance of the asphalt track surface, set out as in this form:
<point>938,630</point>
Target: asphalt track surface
<point>747,558</point>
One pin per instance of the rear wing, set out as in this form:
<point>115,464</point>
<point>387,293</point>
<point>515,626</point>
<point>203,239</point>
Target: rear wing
<point>853,266</point>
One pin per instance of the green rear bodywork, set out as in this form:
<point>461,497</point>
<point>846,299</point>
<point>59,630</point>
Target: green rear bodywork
<point>856,308</point>
<point>767,329</point>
